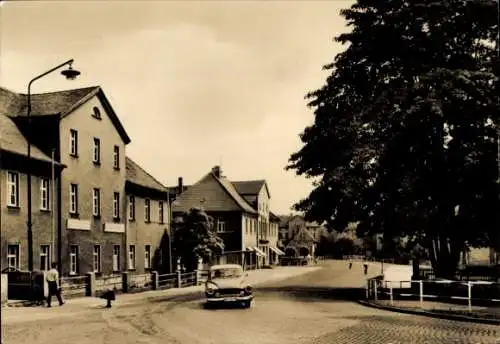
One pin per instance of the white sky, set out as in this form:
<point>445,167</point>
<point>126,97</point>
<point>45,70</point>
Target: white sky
<point>195,83</point>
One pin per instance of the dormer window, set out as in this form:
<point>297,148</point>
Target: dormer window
<point>97,113</point>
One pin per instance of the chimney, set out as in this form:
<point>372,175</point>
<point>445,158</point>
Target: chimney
<point>216,170</point>
<point>180,186</point>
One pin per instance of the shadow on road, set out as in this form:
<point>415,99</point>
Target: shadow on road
<point>314,293</point>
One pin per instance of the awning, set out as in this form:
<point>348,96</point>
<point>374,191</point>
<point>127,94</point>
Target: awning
<point>277,251</point>
<point>259,252</point>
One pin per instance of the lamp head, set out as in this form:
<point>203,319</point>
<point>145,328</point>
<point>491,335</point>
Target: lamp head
<point>70,73</point>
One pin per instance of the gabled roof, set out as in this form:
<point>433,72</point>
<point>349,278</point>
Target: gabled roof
<point>273,217</point>
<point>213,194</point>
<point>302,235</point>
<point>250,187</point>
<point>12,140</point>
<point>61,103</point>
<point>137,175</point>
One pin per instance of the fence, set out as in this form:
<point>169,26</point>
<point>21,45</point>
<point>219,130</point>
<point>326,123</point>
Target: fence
<point>76,286</point>
<point>469,293</point>
<point>90,285</point>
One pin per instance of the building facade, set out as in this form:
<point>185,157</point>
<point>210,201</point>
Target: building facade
<point>241,214</point>
<point>84,134</point>
<point>45,174</point>
<point>148,222</point>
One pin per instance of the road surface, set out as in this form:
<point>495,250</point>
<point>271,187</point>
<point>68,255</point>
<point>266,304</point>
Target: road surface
<point>315,308</point>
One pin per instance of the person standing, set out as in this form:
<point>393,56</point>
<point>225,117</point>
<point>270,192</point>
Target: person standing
<point>52,278</point>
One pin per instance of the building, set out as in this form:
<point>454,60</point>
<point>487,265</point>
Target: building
<point>298,236</point>
<point>148,221</point>
<point>87,138</point>
<point>241,213</point>
<point>13,201</point>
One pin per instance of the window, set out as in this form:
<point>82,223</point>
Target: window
<point>44,257</point>
<point>13,256</point>
<point>73,260</point>
<point>73,198</point>
<point>73,143</point>
<point>131,257</point>
<point>147,257</point>
<point>97,113</point>
<point>131,208</point>
<point>97,258</point>
<point>116,258</point>
<point>116,157</point>
<point>96,158</point>
<point>96,202</point>
<point>221,226</point>
<point>116,205</point>
<point>160,212</point>
<point>44,194</point>
<point>13,189</point>
<point>147,210</point>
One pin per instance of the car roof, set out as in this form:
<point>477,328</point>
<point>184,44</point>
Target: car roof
<point>225,266</point>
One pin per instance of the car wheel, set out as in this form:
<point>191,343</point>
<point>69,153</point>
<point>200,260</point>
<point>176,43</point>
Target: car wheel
<point>247,304</point>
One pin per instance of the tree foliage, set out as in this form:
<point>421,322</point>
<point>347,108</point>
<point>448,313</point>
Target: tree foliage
<point>405,129</point>
<point>194,237</point>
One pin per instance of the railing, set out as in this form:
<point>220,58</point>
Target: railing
<point>74,286</point>
<point>202,276</point>
<point>469,293</point>
<point>188,279</point>
<point>167,281</point>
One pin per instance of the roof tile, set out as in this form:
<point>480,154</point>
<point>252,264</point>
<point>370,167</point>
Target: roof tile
<point>137,175</point>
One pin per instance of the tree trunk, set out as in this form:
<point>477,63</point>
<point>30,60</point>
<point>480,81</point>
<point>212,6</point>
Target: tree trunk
<point>445,256</point>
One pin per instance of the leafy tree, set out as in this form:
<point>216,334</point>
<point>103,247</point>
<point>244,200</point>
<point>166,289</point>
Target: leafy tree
<point>405,129</point>
<point>194,237</point>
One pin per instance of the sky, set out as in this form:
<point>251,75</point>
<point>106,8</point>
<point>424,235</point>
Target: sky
<point>195,83</point>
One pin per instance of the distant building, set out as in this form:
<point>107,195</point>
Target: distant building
<point>241,213</point>
<point>298,236</point>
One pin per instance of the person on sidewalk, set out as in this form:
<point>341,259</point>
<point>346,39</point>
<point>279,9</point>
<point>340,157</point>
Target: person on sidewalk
<point>52,278</point>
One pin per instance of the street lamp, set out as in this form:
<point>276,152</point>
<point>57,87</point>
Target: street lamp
<point>70,74</point>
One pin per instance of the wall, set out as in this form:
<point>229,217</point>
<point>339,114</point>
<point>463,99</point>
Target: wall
<point>249,232</point>
<point>13,226</point>
<point>140,233</point>
<point>4,287</point>
<point>232,236</point>
<point>83,172</point>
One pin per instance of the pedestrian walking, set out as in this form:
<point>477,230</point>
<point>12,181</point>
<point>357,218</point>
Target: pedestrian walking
<point>350,264</point>
<point>52,278</point>
<point>365,266</point>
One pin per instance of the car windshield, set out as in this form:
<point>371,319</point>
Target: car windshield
<point>226,273</point>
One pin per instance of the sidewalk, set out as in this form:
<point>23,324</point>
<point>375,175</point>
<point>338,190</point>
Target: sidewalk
<point>12,315</point>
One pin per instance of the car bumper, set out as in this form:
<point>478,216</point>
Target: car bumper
<point>230,298</point>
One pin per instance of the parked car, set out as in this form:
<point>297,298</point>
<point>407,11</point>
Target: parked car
<point>226,283</point>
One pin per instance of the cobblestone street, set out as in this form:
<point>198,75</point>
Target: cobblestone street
<point>301,309</point>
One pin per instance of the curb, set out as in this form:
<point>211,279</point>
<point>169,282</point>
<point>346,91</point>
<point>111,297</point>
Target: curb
<point>449,316</point>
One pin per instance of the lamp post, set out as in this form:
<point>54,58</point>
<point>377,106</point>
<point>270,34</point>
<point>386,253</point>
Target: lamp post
<point>70,74</point>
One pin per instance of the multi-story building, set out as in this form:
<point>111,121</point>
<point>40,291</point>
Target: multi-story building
<point>241,214</point>
<point>148,227</point>
<point>85,136</point>
<point>13,201</point>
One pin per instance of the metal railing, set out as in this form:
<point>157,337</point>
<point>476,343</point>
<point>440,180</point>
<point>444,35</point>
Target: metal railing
<point>167,281</point>
<point>468,293</point>
<point>188,279</point>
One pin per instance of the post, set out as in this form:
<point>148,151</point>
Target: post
<point>52,194</point>
<point>28,180</point>
<point>421,292</point>
<point>125,282</point>
<point>469,295</point>
<point>179,279</point>
<point>155,280</point>
<point>367,289</point>
<point>90,288</point>
<point>390,294</point>
<point>196,276</point>
<point>375,289</point>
